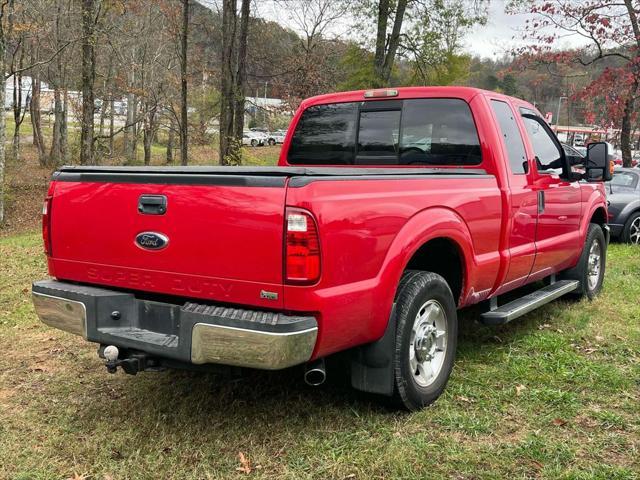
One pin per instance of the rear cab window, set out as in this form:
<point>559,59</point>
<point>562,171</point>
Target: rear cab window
<point>429,131</point>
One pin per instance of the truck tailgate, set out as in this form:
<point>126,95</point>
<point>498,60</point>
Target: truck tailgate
<point>224,234</point>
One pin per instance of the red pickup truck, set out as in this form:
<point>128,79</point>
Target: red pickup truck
<point>389,211</point>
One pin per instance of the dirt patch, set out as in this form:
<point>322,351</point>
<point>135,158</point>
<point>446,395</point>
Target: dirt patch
<point>5,395</point>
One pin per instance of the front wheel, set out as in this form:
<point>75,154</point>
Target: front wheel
<point>426,338</point>
<point>591,267</point>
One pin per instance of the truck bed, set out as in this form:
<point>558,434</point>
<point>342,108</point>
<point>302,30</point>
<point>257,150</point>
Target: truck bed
<point>224,226</point>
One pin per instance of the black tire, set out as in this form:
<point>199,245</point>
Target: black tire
<point>581,271</point>
<point>631,232</point>
<point>271,142</point>
<point>254,142</point>
<point>417,289</point>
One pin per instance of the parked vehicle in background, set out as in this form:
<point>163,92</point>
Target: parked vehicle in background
<point>388,212</point>
<point>617,158</point>
<point>623,196</point>
<point>581,150</point>
<point>277,137</point>
<point>254,139</point>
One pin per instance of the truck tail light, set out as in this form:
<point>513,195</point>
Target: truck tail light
<point>46,224</point>
<point>302,256</point>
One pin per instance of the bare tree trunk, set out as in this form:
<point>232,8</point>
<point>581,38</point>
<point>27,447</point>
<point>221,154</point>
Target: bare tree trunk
<point>149,132</point>
<point>106,86</point>
<point>88,79</point>
<point>381,39</point>
<point>170,142</point>
<point>64,138</point>
<point>36,119</point>
<point>148,137</point>
<point>238,116</point>
<point>135,130</point>
<point>56,155</point>
<point>17,113</point>
<point>386,48</point>
<point>625,128</point>
<point>3,119</point>
<point>184,120</point>
<point>129,120</point>
<point>112,121</point>
<point>227,80</point>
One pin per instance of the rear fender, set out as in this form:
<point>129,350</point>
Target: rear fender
<point>372,364</point>
<point>428,224</point>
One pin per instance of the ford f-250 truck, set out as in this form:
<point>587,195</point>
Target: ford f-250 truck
<point>389,211</point>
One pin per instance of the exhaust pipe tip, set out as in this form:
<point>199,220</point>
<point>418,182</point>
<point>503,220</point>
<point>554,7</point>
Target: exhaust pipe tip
<point>315,373</point>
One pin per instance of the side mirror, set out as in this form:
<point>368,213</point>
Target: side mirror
<point>598,167</point>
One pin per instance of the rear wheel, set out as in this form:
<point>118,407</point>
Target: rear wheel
<point>254,142</point>
<point>426,338</point>
<point>271,142</point>
<point>631,232</point>
<point>591,267</point>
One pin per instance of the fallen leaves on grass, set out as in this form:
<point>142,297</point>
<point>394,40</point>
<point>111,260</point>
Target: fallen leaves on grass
<point>559,422</point>
<point>462,398</point>
<point>75,476</point>
<point>519,389</point>
<point>245,466</point>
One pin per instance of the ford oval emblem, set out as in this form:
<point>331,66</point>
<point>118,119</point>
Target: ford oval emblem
<point>152,240</point>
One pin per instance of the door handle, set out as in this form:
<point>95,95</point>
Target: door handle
<point>152,204</point>
<point>540,201</point>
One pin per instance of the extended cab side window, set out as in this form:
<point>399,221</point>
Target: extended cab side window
<point>511,136</point>
<point>548,155</point>
<point>438,131</point>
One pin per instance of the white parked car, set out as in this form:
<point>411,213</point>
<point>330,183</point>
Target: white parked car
<point>276,137</point>
<point>253,138</point>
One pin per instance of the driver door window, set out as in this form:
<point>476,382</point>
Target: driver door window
<point>548,156</point>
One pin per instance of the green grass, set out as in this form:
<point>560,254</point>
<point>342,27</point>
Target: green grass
<point>555,394</point>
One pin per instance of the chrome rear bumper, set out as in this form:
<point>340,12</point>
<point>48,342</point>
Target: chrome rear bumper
<point>60,313</point>
<point>193,333</point>
<point>249,348</point>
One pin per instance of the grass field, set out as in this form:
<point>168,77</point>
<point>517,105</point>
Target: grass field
<point>553,395</point>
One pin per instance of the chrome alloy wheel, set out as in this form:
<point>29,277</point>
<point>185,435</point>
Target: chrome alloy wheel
<point>428,343</point>
<point>634,231</point>
<point>594,265</point>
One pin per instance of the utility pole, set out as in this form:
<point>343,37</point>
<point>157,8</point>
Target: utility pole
<point>558,114</point>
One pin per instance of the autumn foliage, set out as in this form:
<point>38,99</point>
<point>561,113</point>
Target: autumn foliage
<point>609,36</point>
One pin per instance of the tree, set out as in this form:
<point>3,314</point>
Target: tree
<point>612,37</point>
<point>5,19</point>
<point>232,79</point>
<point>313,65</point>
<point>426,32</point>
<point>387,45</point>
<point>184,118</point>
<point>88,80</point>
